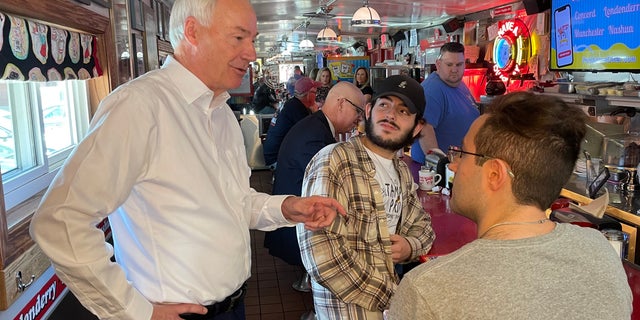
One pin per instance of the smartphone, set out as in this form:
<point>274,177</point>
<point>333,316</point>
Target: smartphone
<point>598,182</point>
<point>563,35</point>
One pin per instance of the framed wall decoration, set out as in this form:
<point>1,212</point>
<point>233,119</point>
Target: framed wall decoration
<point>150,37</point>
<point>159,10</point>
<point>139,67</point>
<point>136,15</point>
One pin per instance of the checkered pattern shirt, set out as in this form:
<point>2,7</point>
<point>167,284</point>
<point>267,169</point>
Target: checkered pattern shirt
<point>350,263</point>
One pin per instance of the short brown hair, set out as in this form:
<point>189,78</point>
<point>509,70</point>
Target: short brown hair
<point>454,47</point>
<point>539,137</point>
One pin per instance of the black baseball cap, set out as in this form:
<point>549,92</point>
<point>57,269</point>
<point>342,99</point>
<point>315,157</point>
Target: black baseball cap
<point>405,88</point>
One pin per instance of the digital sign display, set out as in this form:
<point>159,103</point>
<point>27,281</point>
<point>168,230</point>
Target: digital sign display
<point>594,35</point>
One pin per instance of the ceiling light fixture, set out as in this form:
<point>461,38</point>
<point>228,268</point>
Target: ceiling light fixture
<point>366,17</point>
<point>327,34</point>
<point>306,44</point>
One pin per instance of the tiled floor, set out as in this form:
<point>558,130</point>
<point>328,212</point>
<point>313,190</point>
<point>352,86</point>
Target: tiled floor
<point>270,295</point>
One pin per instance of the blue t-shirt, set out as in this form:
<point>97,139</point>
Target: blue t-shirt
<point>291,83</point>
<point>449,110</point>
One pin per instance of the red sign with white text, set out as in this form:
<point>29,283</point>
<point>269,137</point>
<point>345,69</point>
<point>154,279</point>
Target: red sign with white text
<point>42,301</point>
<point>502,10</point>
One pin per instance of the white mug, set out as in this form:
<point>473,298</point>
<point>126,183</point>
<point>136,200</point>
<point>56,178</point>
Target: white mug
<point>428,179</point>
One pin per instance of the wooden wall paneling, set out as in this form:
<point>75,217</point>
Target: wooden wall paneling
<point>110,58</point>
<point>33,262</point>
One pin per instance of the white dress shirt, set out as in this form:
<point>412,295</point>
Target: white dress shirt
<point>164,159</point>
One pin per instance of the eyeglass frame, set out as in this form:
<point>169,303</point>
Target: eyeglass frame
<point>359,110</point>
<point>454,149</point>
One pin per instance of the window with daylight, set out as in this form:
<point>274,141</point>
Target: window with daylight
<point>40,123</point>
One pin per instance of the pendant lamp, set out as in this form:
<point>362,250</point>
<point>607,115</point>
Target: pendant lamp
<point>306,44</point>
<point>327,34</point>
<point>365,17</point>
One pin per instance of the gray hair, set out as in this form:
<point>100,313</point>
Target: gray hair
<point>202,10</point>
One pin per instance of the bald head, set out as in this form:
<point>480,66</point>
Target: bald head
<point>343,106</point>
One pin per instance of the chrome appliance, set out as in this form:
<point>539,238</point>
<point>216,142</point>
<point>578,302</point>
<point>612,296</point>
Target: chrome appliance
<point>621,155</point>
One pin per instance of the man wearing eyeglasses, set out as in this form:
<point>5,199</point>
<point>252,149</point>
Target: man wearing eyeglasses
<point>511,166</point>
<point>351,263</point>
<point>342,111</point>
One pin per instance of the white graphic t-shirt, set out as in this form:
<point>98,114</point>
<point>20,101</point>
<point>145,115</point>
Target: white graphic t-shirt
<point>389,181</point>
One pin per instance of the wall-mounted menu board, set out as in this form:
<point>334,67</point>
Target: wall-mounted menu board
<point>590,35</point>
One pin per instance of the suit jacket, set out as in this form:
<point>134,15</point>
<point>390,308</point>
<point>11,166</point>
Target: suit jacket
<point>300,144</point>
<point>292,112</point>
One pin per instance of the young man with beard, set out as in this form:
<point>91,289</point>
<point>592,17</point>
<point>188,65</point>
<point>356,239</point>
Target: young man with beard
<point>351,262</point>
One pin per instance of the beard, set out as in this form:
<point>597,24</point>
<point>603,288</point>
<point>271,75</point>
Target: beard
<point>387,144</point>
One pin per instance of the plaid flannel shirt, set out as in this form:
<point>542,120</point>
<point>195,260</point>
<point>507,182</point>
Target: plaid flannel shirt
<point>350,262</point>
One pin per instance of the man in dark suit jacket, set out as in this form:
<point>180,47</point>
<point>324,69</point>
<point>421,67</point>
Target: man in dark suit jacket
<point>343,109</point>
<point>295,109</point>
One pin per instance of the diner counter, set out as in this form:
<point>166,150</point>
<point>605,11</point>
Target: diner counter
<point>623,206</point>
<point>452,230</point>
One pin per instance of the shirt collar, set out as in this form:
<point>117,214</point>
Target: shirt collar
<point>361,153</point>
<point>193,90</point>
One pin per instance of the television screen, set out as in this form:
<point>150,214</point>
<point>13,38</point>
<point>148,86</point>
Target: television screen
<point>595,35</point>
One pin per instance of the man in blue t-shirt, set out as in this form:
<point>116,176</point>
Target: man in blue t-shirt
<point>450,105</point>
<point>297,74</point>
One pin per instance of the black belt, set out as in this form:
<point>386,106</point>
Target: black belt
<point>224,306</point>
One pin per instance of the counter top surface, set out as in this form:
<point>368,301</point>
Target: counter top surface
<point>622,205</point>
<point>452,230</point>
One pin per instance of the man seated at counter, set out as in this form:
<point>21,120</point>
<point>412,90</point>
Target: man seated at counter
<point>351,263</point>
<point>513,162</point>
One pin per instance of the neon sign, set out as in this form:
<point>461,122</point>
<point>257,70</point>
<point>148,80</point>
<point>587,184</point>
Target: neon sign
<point>511,49</point>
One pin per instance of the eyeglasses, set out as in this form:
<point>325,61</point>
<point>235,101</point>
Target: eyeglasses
<point>456,153</point>
<point>359,110</point>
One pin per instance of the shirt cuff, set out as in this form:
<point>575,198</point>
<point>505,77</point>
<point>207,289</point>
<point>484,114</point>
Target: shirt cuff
<point>274,207</point>
<point>415,245</point>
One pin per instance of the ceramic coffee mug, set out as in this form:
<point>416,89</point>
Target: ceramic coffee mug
<point>427,179</point>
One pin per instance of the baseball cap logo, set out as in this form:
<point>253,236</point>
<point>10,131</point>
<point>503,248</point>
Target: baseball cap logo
<point>402,85</point>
